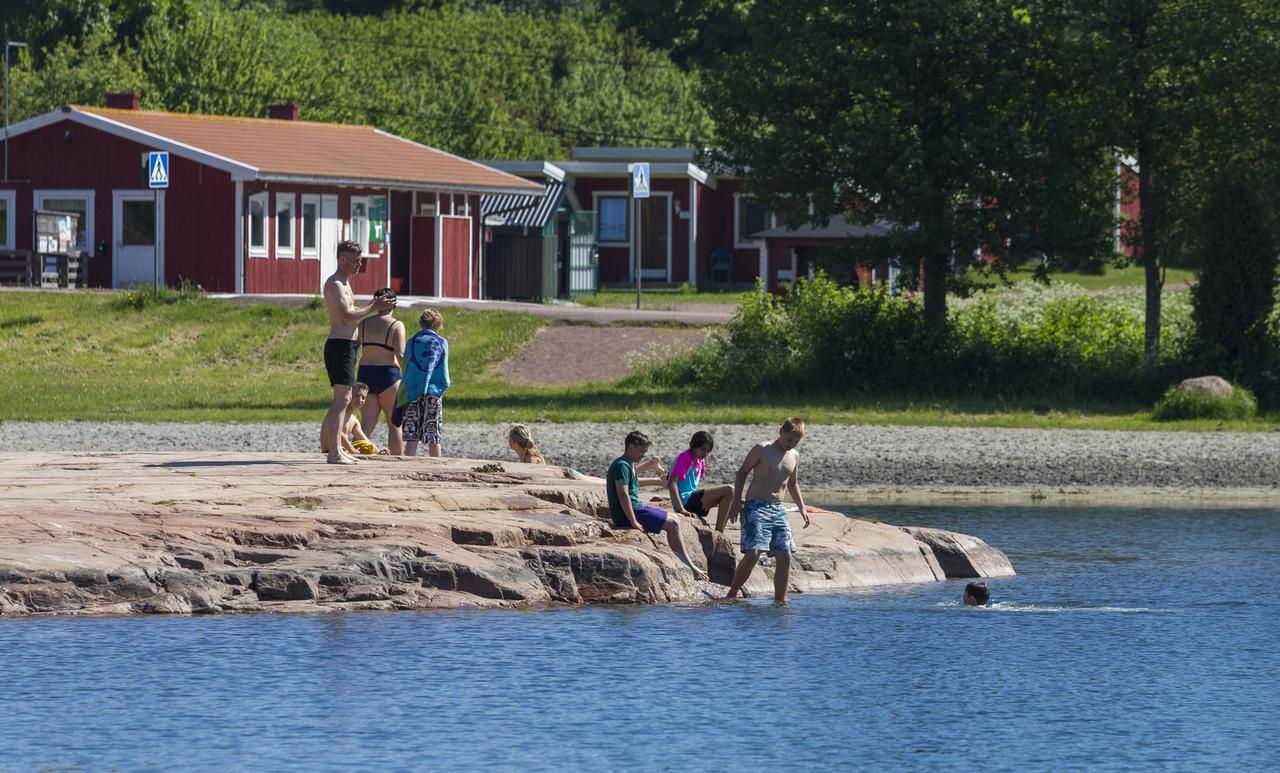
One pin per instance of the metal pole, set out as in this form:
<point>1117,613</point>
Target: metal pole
<point>155,235</point>
<point>639,248</point>
<point>7,44</point>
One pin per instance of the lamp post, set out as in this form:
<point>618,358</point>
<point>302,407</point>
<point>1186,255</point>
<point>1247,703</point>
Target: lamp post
<point>7,45</point>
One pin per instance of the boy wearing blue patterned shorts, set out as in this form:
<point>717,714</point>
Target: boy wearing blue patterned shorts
<point>765,526</point>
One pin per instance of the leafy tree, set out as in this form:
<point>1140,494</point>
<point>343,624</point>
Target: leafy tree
<point>1188,87</point>
<point>1235,288</point>
<point>944,117</point>
<point>482,83</point>
<point>74,73</point>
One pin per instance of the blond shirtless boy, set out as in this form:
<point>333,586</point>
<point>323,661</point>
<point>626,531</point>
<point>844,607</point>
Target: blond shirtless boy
<point>340,348</point>
<point>765,526</point>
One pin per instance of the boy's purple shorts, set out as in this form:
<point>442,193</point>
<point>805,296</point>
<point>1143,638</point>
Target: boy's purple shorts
<point>651,519</point>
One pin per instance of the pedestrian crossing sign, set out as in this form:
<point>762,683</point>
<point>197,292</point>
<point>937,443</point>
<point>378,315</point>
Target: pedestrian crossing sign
<point>158,169</point>
<point>640,180</point>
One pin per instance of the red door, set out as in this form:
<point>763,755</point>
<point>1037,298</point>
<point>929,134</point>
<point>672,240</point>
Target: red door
<point>455,251</point>
<point>422,256</point>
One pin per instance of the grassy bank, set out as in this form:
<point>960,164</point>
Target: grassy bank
<point>95,357</point>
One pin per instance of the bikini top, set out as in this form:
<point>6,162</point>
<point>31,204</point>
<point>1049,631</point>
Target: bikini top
<point>385,338</point>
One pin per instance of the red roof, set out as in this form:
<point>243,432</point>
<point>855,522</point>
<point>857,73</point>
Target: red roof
<point>280,149</point>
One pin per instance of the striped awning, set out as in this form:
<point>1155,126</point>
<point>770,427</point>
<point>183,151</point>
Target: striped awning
<point>530,211</point>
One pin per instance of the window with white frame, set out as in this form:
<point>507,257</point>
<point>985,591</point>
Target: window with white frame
<point>611,219</point>
<point>79,203</point>
<point>748,218</point>
<point>360,223</point>
<point>310,215</point>
<point>7,220</point>
<point>285,203</point>
<point>258,225</point>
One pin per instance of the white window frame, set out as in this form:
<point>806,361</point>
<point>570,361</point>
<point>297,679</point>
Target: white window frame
<point>626,200</point>
<point>259,250</point>
<point>771,221</point>
<point>9,238</point>
<point>290,201</point>
<point>41,195</point>
<point>351,225</point>
<point>303,250</point>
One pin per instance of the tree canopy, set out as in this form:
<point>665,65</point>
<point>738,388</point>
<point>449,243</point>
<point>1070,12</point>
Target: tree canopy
<point>943,117</point>
<point>484,83</point>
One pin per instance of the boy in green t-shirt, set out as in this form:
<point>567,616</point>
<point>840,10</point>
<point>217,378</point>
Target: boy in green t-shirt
<point>622,488</point>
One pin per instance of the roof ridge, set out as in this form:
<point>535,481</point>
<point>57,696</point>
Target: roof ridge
<point>211,117</point>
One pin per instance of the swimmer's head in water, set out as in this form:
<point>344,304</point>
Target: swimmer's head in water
<point>977,594</point>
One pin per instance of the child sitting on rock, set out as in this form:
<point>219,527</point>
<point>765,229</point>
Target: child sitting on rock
<point>520,439</point>
<point>354,441</point>
<point>687,473</point>
<point>622,488</point>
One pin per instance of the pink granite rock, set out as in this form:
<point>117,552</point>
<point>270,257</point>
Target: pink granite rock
<point>222,532</point>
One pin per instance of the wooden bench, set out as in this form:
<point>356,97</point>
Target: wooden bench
<point>15,267</point>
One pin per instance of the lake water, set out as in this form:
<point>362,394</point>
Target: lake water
<point>1130,639</point>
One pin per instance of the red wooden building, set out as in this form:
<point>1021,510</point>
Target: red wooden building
<point>696,226</point>
<point>253,205</point>
<point>701,227</point>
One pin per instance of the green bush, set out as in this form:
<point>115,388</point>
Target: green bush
<point>1032,341</point>
<point>1234,293</point>
<point>1177,404</point>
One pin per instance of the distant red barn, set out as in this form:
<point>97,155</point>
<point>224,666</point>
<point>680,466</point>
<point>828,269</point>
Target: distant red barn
<point>253,205</point>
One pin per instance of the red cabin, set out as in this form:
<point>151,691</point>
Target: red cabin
<point>253,205</point>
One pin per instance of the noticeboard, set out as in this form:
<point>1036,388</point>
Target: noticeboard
<point>377,219</point>
<point>56,232</point>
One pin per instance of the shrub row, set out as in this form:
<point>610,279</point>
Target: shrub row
<point>1029,342</point>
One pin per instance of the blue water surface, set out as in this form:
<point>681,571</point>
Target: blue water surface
<point>1130,639</point>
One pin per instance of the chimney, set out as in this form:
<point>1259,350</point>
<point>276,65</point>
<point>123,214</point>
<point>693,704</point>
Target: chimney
<point>286,112</point>
<point>125,100</point>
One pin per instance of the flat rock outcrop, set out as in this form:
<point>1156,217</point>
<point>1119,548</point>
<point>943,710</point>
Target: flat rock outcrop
<point>237,532</point>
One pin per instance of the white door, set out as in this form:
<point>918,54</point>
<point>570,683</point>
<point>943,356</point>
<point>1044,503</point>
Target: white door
<point>330,226</point>
<point>138,229</point>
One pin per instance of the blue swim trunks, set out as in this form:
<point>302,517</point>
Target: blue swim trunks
<point>766,527</point>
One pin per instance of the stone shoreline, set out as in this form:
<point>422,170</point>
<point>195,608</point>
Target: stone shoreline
<point>219,532</point>
<point>877,463</point>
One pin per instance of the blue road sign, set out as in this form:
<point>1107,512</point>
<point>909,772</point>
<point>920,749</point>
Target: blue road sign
<point>640,179</point>
<point>158,169</point>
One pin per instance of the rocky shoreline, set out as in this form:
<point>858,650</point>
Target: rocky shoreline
<point>214,532</point>
<point>863,463</point>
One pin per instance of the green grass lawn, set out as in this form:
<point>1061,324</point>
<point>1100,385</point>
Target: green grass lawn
<point>1127,278</point>
<point>660,299</point>
<point>90,357</point>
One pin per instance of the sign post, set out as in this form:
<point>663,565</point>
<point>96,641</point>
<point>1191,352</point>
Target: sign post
<point>640,179</point>
<point>157,178</point>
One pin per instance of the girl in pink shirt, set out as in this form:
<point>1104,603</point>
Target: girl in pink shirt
<point>684,483</point>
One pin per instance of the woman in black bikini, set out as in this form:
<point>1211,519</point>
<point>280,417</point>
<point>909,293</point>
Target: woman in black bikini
<point>381,340</point>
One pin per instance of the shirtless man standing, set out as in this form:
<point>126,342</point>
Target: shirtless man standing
<point>340,349</point>
<point>765,527</point>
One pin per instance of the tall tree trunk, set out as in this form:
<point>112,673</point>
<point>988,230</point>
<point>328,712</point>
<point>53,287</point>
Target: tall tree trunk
<point>1148,213</point>
<point>935,290</point>
<point>1150,205</point>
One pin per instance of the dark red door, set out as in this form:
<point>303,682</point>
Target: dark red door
<point>455,248</point>
<point>422,261</point>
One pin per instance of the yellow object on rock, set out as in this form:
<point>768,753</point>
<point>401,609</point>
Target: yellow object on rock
<point>365,447</point>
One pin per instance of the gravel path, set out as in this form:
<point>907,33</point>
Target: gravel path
<point>839,457</point>
<point>554,356</point>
